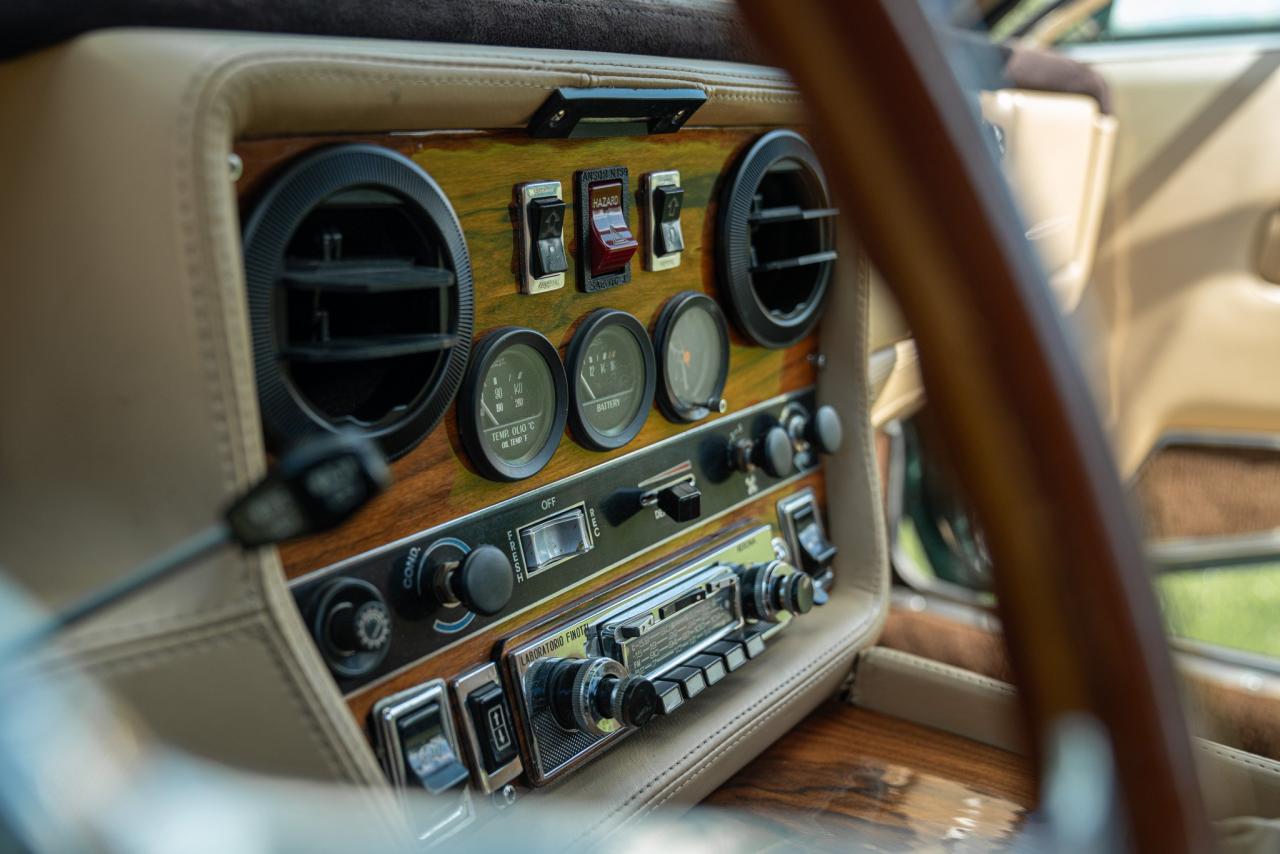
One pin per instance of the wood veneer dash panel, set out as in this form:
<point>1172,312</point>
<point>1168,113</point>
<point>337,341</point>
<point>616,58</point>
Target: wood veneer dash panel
<point>477,170</point>
<point>848,779</point>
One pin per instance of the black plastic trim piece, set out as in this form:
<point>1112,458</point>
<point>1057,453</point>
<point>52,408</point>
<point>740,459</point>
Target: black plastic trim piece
<point>798,261</point>
<point>367,277</point>
<point>366,349</point>
<point>735,257</point>
<point>671,407</point>
<point>303,186</point>
<point>594,323</point>
<point>469,427</point>
<point>604,112</point>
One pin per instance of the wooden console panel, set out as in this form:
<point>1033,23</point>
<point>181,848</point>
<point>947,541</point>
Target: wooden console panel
<point>846,779</point>
<point>435,482</point>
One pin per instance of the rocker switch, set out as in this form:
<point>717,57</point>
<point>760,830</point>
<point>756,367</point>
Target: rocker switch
<point>546,231</point>
<point>667,202</point>
<point>612,243</point>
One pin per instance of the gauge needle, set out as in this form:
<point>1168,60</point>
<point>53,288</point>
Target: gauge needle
<point>685,356</point>
<point>484,407</point>
<point>594,396</point>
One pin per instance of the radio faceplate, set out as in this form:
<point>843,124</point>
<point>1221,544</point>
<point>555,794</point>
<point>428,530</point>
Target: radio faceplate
<point>651,632</point>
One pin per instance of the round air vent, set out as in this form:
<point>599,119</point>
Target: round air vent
<point>776,241</point>
<point>360,298</point>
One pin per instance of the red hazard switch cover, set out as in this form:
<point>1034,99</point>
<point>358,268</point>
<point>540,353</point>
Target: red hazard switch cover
<point>612,243</point>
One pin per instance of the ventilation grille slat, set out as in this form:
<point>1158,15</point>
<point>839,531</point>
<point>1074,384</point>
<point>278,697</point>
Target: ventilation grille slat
<point>792,263</point>
<point>789,213</point>
<point>368,349</point>
<point>368,276</point>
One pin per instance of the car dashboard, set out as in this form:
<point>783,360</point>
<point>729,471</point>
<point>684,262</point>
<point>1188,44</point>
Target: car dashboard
<point>600,313</point>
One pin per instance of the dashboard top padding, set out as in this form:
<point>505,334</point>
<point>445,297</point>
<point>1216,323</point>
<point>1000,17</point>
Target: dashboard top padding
<point>693,29</point>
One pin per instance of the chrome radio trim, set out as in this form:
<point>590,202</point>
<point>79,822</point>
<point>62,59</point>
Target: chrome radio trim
<point>584,636</point>
<point>384,715</point>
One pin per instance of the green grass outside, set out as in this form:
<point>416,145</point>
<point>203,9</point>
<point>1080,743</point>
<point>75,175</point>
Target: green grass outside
<point>1237,608</point>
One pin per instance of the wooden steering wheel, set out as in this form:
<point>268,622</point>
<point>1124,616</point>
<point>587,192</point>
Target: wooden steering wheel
<point>906,158</point>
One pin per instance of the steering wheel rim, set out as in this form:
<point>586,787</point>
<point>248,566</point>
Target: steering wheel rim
<point>904,154</point>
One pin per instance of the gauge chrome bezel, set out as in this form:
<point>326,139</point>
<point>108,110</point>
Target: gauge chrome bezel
<point>597,321</point>
<point>495,342</point>
<point>671,406</point>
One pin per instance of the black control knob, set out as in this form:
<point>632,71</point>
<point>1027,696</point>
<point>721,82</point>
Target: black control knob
<point>772,452</point>
<point>444,576</point>
<point>820,432</point>
<point>777,586</point>
<point>359,628</point>
<point>351,625</point>
<point>824,432</point>
<point>594,695</point>
<point>483,581</point>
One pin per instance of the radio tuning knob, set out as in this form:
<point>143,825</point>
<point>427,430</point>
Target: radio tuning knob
<point>586,694</point>
<point>777,586</point>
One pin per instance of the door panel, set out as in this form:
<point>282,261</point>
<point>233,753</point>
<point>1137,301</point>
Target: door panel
<point>1191,329</point>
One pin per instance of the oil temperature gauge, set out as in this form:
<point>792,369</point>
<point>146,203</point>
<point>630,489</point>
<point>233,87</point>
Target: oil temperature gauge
<point>693,349</point>
<point>513,404</point>
<point>611,367</point>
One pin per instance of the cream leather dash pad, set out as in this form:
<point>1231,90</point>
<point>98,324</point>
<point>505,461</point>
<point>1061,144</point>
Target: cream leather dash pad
<point>130,414</point>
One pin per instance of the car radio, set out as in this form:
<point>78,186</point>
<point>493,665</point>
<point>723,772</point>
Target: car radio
<point>589,681</point>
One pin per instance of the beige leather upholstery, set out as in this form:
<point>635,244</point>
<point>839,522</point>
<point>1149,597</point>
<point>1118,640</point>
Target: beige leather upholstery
<point>957,701</point>
<point>1189,323</point>
<point>938,695</point>
<point>130,415</point>
<point>1057,155</point>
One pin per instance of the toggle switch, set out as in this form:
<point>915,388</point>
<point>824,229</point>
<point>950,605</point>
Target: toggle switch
<point>540,211</point>
<point>664,200</point>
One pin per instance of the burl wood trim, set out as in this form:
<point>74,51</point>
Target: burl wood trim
<point>477,170</point>
<point>1193,491</point>
<point>848,779</point>
<point>485,646</point>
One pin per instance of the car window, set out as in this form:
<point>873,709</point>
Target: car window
<point>1123,20</point>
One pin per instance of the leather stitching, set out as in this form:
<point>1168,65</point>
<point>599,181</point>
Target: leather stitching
<point>913,662</point>
<point>823,661</point>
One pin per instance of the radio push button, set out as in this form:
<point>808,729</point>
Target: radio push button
<point>712,667</point>
<point>691,680</point>
<point>733,653</point>
<point>670,697</point>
